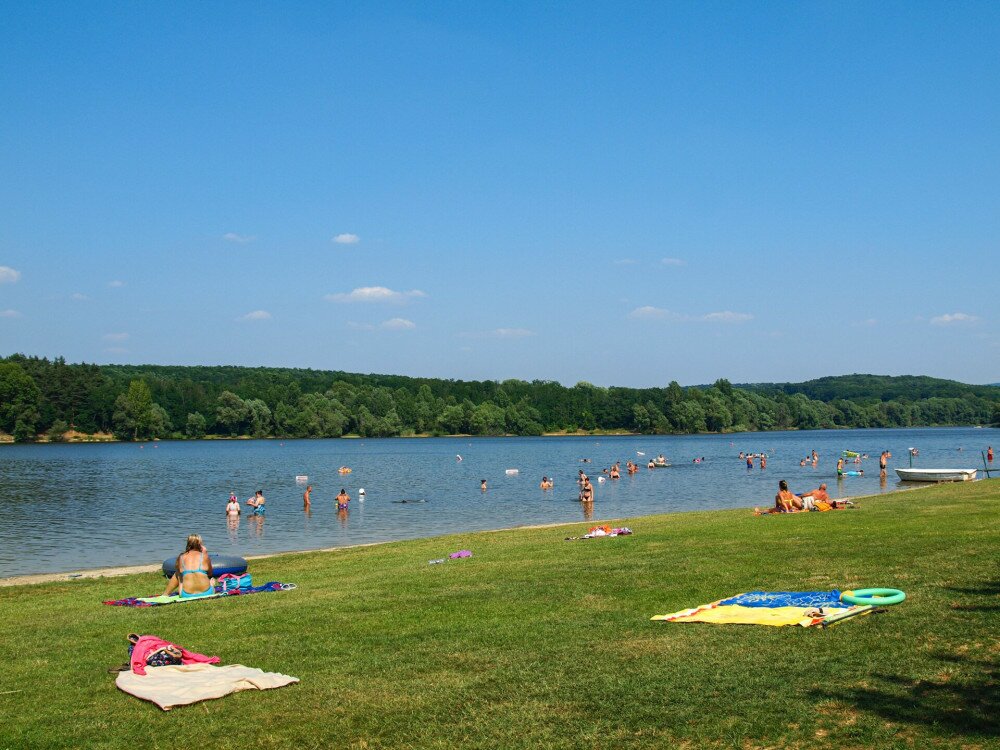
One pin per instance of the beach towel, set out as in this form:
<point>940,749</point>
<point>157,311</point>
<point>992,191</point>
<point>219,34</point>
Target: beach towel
<point>777,608</point>
<point>158,601</point>
<point>737,615</point>
<point>786,599</point>
<point>184,684</point>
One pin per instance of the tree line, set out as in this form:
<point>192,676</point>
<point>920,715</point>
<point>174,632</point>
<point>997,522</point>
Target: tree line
<point>42,397</point>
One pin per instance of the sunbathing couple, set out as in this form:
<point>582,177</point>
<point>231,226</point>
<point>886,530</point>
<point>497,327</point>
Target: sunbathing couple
<point>787,501</point>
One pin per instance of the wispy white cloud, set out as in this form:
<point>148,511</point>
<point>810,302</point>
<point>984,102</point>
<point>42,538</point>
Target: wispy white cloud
<point>726,316</point>
<point>346,238</point>
<point>238,238</point>
<point>115,337</point>
<point>8,275</point>
<point>9,314</point>
<point>397,324</point>
<point>375,294</point>
<point>256,315</point>
<point>512,333</point>
<point>116,284</point>
<point>672,262</point>
<point>79,297</point>
<point>499,333</point>
<point>951,318</point>
<point>649,312</point>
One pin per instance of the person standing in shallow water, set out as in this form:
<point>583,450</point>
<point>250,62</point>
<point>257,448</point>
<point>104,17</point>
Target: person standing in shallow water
<point>343,499</point>
<point>307,498</point>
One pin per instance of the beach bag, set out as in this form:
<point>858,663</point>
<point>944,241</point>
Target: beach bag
<point>229,582</point>
<point>822,505</point>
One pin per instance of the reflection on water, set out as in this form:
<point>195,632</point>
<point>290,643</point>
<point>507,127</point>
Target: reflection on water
<point>257,526</point>
<point>77,506</point>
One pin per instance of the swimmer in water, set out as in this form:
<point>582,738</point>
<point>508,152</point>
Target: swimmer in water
<point>257,503</point>
<point>343,499</point>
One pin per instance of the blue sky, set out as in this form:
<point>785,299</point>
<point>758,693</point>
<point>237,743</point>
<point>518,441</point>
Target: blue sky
<point>619,193</point>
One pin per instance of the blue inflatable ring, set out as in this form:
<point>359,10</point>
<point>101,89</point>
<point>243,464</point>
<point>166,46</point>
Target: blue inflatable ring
<point>221,564</point>
<point>873,597</point>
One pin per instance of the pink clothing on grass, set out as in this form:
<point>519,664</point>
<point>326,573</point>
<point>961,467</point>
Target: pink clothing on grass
<point>148,644</point>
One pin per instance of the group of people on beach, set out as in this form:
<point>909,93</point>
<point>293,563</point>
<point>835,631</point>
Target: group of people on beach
<point>787,501</point>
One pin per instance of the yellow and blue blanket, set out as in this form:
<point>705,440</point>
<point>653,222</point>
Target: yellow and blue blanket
<point>803,608</point>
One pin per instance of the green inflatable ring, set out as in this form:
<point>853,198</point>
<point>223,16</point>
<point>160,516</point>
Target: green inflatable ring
<point>873,597</point>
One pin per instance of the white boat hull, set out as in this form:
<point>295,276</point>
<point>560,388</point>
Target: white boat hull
<point>936,475</point>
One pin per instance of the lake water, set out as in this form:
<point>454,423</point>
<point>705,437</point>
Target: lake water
<point>67,507</point>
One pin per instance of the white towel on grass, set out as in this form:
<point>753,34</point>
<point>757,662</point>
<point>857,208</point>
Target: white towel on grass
<point>184,684</point>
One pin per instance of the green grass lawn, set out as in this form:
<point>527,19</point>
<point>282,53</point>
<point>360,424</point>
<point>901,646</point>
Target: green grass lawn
<point>539,642</point>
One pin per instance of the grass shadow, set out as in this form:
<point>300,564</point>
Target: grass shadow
<point>987,588</point>
<point>966,704</point>
<point>975,607</point>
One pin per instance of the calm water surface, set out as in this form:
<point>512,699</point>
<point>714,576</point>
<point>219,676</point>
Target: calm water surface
<point>67,507</point>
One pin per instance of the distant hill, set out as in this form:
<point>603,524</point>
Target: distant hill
<point>871,388</point>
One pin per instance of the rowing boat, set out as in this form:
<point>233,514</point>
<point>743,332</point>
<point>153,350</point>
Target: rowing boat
<point>936,475</point>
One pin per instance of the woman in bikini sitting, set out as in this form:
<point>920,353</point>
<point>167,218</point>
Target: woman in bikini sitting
<point>193,576</point>
<point>786,501</point>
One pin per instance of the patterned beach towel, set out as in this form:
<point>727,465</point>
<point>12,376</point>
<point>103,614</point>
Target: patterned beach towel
<point>159,601</point>
<point>778,608</point>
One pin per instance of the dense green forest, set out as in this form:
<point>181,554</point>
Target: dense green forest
<point>41,397</point>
